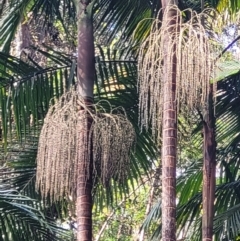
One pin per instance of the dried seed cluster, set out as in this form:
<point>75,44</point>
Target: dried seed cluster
<point>66,130</point>
<point>113,137</point>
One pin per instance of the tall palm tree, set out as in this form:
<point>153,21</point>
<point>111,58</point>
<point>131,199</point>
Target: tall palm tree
<point>209,151</point>
<point>189,184</point>
<point>169,135</point>
<point>86,76</point>
<point>170,139</point>
<point>52,80</point>
<point>85,82</point>
<point>209,155</point>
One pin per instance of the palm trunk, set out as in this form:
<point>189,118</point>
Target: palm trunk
<point>169,139</point>
<point>209,167</point>
<point>86,65</point>
<point>85,75</point>
<point>22,39</point>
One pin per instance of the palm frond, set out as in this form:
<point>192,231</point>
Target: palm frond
<point>116,83</point>
<point>227,224</point>
<point>116,20</point>
<point>20,220</point>
<point>232,6</point>
<point>45,14</point>
<point>27,100</point>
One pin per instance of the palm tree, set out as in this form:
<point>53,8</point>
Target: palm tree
<point>165,59</point>
<point>46,83</point>
<point>189,184</point>
<point>169,134</point>
<point>85,82</point>
<point>208,120</point>
<point>209,158</point>
<point>209,164</point>
<point>85,27</point>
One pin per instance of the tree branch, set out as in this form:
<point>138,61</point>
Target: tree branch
<point>228,47</point>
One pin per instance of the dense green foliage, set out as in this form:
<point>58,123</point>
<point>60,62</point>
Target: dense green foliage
<point>46,68</point>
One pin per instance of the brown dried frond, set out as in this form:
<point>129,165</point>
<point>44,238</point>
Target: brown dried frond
<point>187,43</point>
<point>65,131</point>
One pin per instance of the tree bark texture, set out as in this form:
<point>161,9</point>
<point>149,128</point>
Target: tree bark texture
<point>209,169</point>
<point>169,137</point>
<point>22,40</point>
<point>169,158</point>
<point>85,67</point>
<point>85,76</point>
<point>84,184</point>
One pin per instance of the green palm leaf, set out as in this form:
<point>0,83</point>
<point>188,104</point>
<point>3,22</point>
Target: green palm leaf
<point>20,220</point>
<point>30,98</point>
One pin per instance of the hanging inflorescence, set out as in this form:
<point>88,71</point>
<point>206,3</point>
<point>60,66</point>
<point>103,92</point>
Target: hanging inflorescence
<point>113,137</point>
<point>178,49</point>
<point>70,126</point>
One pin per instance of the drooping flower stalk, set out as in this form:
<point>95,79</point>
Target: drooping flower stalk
<point>189,43</point>
<point>109,143</point>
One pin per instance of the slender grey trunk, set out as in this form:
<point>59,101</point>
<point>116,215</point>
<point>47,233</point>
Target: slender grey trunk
<point>85,67</point>
<point>209,165</point>
<point>169,137</point>
<point>209,170</point>
<point>85,82</point>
